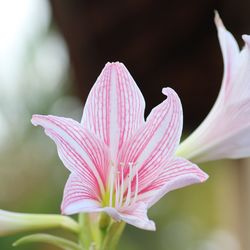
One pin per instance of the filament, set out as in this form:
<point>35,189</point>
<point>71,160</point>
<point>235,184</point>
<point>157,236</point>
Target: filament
<point>117,188</point>
<point>117,182</point>
<point>136,186</point>
<point>122,183</point>
<point>130,164</point>
<point>111,185</point>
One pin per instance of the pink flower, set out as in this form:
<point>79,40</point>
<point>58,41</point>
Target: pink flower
<point>225,132</point>
<point>119,163</point>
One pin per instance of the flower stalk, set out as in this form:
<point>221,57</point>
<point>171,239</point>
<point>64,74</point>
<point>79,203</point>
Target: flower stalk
<point>99,232</point>
<point>90,234</point>
<point>113,235</point>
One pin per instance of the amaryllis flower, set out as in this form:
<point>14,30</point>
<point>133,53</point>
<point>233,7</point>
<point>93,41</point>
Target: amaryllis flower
<point>225,132</point>
<point>119,163</point>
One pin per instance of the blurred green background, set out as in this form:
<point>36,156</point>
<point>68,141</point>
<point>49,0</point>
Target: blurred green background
<point>39,73</point>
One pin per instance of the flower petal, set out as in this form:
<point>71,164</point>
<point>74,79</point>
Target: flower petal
<point>78,149</point>
<point>224,132</point>
<point>230,51</point>
<point>231,144</point>
<point>135,215</point>
<point>156,141</point>
<point>176,174</point>
<point>115,107</point>
<point>78,196</point>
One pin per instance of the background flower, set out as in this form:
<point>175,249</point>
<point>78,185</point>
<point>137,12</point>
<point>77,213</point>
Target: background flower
<point>225,132</point>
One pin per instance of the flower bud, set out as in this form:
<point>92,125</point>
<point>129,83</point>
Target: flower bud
<point>11,223</point>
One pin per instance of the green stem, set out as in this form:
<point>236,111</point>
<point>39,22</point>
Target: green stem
<point>99,232</point>
<point>113,236</point>
<point>85,237</point>
<point>104,223</point>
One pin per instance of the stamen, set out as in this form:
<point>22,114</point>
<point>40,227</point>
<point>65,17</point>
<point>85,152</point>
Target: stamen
<point>122,184</point>
<point>111,184</point>
<point>136,186</point>
<point>117,188</point>
<point>130,176</point>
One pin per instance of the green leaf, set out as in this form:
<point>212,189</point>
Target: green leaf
<point>49,239</point>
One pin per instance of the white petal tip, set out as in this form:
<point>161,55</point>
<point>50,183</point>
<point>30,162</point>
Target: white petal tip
<point>168,91</point>
<point>199,177</point>
<point>204,177</point>
<point>217,20</point>
<point>150,226</point>
<point>246,39</point>
<point>115,67</point>
<point>142,224</point>
<point>37,120</point>
<point>34,120</point>
<point>110,64</point>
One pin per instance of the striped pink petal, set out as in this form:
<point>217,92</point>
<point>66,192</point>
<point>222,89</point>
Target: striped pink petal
<point>156,141</point>
<point>80,151</point>
<point>225,131</point>
<point>79,196</point>
<point>115,106</point>
<point>135,215</point>
<point>176,173</point>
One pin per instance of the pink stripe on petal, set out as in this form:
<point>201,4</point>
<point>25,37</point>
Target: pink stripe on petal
<point>176,174</point>
<point>79,196</point>
<point>156,141</point>
<point>115,107</point>
<point>79,150</point>
<point>73,161</point>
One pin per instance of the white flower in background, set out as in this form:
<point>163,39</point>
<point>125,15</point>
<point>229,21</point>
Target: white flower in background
<point>225,133</point>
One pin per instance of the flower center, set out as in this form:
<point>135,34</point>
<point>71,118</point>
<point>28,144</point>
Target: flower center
<point>123,184</point>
